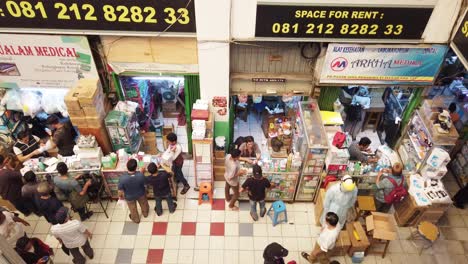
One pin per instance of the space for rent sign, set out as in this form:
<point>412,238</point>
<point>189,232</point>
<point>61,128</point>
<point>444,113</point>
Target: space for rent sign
<point>382,64</point>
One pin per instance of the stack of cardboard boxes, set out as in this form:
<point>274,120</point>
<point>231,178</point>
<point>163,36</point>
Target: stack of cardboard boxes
<point>87,107</point>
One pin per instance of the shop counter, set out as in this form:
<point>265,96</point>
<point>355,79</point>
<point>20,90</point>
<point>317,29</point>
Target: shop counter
<point>284,184</point>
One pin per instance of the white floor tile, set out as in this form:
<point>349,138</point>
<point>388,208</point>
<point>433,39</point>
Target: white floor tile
<point>187,242</point>
<point>304,244</point>
<point>231,229</point>
<point>217,242</point>
<point>145,228</point>
<point>231,216</point>
<point>157,242</point>
<point>303,230</point>
<point>246,257</point>
<point>201,256</point>
<point>139,256</point>
<point>190,215</point>
<point>116,228</point>
<point>290,243</point>
<point>246,243</point>
<point>260,242</point>
<point>97,257</point>
<point>174,228</point>
<point>172,242</point>
<point>185,256</point>
<point>244,217</point>
<point>101,228</point>
<point>112,241</point>
<point>215,256</point>
<point>98,241</point>
<point>204,217</point>
<point>231,243</point>
<point>42,227</point>
<point>127,241</point>
<point>176,216</point>
<point>203,229</point>
<point>288,230</point>
<point>202,242</point>
<point>217,216</point>
<point>142,241</point>
<point>231,257</point>
<point>108,256</point>
<point>170,255</point>
<point>274,231</point>
<point>260,230</point>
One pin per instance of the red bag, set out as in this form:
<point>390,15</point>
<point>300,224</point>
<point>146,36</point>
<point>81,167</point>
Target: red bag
<point>398,193</point>
<point>328,179</point>
<point>339,139</point>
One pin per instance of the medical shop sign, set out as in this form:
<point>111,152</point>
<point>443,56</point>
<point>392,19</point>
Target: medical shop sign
<point>341,22</point>
<point>382,64</point>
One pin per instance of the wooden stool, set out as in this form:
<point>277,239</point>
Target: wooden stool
<point>427,232</point>
<point>372,119</point>
<point>365,205</point>
<point>205,188</point>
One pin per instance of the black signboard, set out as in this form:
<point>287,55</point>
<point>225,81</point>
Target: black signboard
<point>341,22</point>
<point>460,40</point>
<point>98,16</point>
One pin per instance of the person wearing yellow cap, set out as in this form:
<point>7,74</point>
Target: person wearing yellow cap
<point>339,198</point>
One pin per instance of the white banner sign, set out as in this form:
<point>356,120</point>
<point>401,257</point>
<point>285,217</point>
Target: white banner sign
<point>382,64</point>
<point>152,68</point>
<point>43,61</point>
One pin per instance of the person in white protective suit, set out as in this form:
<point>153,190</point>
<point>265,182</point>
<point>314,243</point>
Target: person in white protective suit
<point>339,198</point>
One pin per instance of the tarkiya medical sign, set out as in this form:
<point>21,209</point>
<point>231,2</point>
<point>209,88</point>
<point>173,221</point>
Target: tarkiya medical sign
<point>39,61</point>
<point>382,64</point>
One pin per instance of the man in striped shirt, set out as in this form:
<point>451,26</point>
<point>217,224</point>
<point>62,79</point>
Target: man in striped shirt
<point>73,235</point>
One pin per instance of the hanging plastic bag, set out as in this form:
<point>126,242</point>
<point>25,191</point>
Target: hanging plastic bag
<point>122,204</point>
<point>53,104</point>
<point>31,102</point>
<point>12,100</point>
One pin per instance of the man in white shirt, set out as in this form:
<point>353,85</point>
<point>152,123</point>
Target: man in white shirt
<point>11,227</point>
<point>173,154</point>
<point>231,175</point>
<point>73,235</point>
<point>327,238</point>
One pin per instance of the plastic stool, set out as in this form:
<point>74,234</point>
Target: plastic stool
<point>278,207</point>
<point>205,188</point>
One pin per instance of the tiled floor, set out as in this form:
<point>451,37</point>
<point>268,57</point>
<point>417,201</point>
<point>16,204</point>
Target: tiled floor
<point>211,234</point>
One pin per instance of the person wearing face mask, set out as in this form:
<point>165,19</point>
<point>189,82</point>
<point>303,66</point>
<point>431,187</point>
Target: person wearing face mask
<point>173,154</point>
<point>339,198</point>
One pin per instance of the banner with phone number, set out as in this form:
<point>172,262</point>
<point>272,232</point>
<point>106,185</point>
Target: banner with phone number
<point>99,16</point>
<point>341,22</point>
<point>382,64</point>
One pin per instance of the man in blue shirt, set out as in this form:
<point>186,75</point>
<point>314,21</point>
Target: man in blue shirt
<point>132,188</point>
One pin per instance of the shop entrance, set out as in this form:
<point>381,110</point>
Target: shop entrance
<point>162,103</point>
<point>253,115</point>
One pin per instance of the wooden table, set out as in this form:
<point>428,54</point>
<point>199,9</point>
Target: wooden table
<point>357,245</point>
<point>365,204</point>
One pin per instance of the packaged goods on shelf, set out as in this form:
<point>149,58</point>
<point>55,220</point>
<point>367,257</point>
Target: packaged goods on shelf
<point>438,157</point>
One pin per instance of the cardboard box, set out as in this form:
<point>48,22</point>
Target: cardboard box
<point>357,245</point>
<point>96,110</point>
<point>342,245</point>
<point>381,226</point>
<point>319,206</point>
<point>76,113</point>
<point>219,154</point>
<point>79,121</point>
<point>95,121</point>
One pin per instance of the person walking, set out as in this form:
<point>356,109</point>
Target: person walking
<point>256,187</point>
<point>132,188</point>
<point>11,226</point>
<point>73,235</point>
<point>231,175</point>
<point>173,154</point>
<point>10,187</point>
